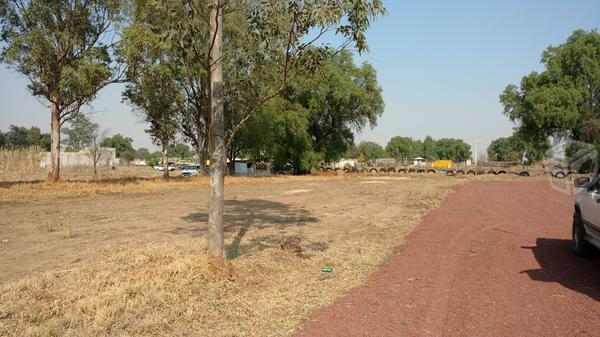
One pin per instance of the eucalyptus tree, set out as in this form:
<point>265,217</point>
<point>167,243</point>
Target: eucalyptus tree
<point>155,95</point>
<point>64,48</point>
<point>153,88</point>
<point>244,58</point>
<point>281,36</point>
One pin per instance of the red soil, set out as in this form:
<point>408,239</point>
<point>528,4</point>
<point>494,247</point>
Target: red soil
<point>494,260</point>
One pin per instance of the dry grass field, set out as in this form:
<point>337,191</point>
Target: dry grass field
<point>125,257</point>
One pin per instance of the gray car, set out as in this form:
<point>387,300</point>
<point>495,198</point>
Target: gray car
<point>586,218</point>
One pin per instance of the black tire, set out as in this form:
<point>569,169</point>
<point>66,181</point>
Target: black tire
<point>524,174</point>
<point>579,245</point>
<point>471,173</point>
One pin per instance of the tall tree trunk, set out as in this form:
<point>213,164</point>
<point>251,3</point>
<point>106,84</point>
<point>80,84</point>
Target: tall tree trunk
<point>165,159</point>
<point>201,159</point>
<point>217,139</point>
<point>54,174</point>
<point>95,165</point>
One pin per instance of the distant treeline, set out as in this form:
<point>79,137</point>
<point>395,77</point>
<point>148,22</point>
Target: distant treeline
<point>17,137</point>
<point>407,148</point>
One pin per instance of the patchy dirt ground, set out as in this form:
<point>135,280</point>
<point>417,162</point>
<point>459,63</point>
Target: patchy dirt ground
<point>48,233</point>
<point>121,260</point>
<point>98,260</point>
<point>493,260</point>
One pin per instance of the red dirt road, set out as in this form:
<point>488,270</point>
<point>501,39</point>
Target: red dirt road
<point>494,260</point>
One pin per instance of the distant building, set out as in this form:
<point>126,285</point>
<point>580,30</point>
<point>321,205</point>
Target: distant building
<point>83,158</point>
<point>138,162</point>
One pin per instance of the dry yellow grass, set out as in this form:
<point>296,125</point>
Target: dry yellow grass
<point>171,288</point>
<point>133,184</point>
<point>20,164</point>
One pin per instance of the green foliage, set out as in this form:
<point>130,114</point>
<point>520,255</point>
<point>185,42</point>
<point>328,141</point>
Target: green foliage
<point>153,89</point>
<point>370,151</point>
<point>514,148</point>
<point>180,151</point>
<point>340,98</point>
<point>292,148</point>
<point>81,133</point>
<point>44,142</point>
<point>34,136</point>
<point>142,153</point>
<point>582,157</point>
<point>152,160</point>
<point>275,55</point>
<point>452,149</point>
<point>564,99</point>
<point>406,148</point>
<point>402,148</point>
<point>429,149</point>
<point>60,47</point>
<point>155,95</point>
<point>123,146</point>
<point>19,137</point>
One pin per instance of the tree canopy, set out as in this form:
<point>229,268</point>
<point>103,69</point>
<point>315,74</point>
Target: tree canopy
<point>563,101</point>
<point>123,146</point>
<point>325,109</point>
<point>367,151</point>
<point>406,148</point>
<point>340,99</point>
<point>19,136</point>
<point>516,148</point>
<point>80,134</point>
<point>64,49</point>
<point>402,148</point>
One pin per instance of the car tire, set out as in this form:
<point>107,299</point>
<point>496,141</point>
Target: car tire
<point>579,245</point>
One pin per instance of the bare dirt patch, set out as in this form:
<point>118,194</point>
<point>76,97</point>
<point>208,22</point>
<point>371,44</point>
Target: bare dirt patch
<point>131,261</point>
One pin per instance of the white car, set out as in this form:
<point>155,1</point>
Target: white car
<point>162,168</point>
<point>190,171</point>
<point>586,218</point>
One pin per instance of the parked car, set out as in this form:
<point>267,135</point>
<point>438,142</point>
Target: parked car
<point>586,218</point>
<point>189,171</point>
<point>161,168</point>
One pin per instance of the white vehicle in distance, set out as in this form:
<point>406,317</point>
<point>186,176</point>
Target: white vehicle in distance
<point>586,218</point>
<point>189,171</point>
<point>161,168</point>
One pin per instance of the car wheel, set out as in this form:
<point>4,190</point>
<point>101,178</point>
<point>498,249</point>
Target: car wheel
<point>580,246</point>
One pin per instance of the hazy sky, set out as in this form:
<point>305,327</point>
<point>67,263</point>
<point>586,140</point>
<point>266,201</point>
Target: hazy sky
<point>442,65</point>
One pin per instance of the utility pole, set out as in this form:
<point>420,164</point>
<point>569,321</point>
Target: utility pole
<point>476,151</point>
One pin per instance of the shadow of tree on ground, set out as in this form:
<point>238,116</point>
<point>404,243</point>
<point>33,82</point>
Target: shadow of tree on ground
<point>559,264</point>
<point>241,215</point>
